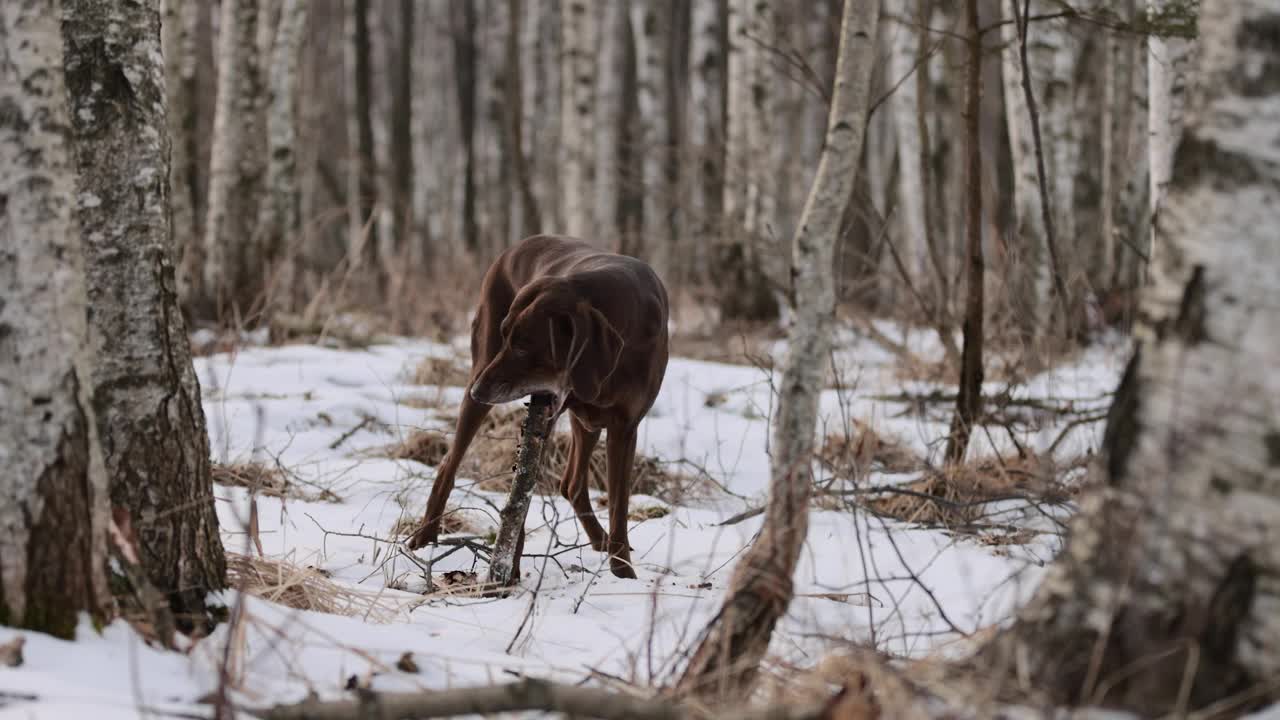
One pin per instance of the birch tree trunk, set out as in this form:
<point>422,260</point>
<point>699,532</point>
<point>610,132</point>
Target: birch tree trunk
<point>178,31</point>
<point>400,120</point>
<point>495,190</point>
<point>1165,598</point>
<point>544,111</point>
<point>905,104</point>
<point>145,393</point>
<point>610,121</point>
<point>969,395</point>
<point>362,169</point>
<point>231,272</point>
<point>281,220</point>
<point>577,116</point>
<point>745,292</point>
<point>1028,265</point>
<point>53,488</point>
<point>1168,62</point>
<point>651,34</point>
<point>529,220</point>
<point>729,652</point>
<point>706,125</point>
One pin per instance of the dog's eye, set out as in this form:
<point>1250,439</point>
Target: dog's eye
<point>519,351</point>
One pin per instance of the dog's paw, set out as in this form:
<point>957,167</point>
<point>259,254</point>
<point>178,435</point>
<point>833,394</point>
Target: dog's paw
<point>426,535</point>
<point>621,567</point>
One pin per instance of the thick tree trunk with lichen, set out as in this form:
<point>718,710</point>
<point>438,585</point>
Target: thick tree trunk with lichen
<point>1165,598</point>
<point>53,488</point>
<point>232,270</point>
<point>728,654</point>
<point>146,396</point>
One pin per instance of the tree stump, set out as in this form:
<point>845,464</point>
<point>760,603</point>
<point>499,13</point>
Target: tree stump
<point>504,568</point>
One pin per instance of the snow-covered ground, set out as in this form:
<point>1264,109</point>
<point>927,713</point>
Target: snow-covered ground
<point>912,591</point>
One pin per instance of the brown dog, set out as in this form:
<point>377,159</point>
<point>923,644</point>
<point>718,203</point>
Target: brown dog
<point>558,316</point>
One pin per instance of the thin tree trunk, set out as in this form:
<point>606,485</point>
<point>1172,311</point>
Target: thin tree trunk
<point>146,396</point>
<point>1028,270</point>
<point>53,487</point>
<point>730,651</point>
<point>611,120</point>
<point>362,172</point>
<point>577,116</point>
<point>400,120</point>
<point>707,125</point>
<point>463,23</point>
<point>179,46</point>
<point>905,103</point>
<point>1164,600</point>
<point>530,219</point>
<point>232,273</point>
<point>281,221</point>
<point>969,398</point>
<point>1168,61</point>
<point>544,113</point>
<point>652,131</point>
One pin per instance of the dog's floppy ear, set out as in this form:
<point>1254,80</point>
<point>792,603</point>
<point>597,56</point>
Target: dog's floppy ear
<point>598,350</point>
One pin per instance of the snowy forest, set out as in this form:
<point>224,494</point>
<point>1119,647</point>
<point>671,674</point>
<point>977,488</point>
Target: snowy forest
<point>680,359</point>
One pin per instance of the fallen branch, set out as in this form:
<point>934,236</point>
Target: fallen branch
<point>527,694</point>
<point>505,563</point>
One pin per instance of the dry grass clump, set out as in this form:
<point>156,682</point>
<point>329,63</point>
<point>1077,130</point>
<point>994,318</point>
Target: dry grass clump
<point>492,455</point>
<point>442,372</point>
<point>853,453</point>
<point>958,495</point>
<point>265,479</point>
<point>269,480</point>
<point>456,521</point>
<point>303,588</point>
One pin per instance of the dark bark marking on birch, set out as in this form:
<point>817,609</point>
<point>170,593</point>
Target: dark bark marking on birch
<point>1120,437</point>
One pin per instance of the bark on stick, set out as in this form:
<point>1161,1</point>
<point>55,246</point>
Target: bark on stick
<point>504,568</point>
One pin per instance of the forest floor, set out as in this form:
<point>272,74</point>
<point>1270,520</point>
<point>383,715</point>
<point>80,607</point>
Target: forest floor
<point>314,429</point>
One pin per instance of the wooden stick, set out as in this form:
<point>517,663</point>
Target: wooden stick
<point>533,434</point>
<point>526,694</point>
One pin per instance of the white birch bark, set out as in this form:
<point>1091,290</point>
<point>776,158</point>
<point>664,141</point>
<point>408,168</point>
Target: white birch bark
<point>706,126</point>
<point>579,19</point>
<point>748,202</point>
<point>1168,579</point>
<point>650,34</point>
<point>1168,62</point>
<point>53,487</point>
<point>1029,259</point>
<point>235,172</point>
<point>761,589</point>
<point>905,105</point>
<point>281,220</point>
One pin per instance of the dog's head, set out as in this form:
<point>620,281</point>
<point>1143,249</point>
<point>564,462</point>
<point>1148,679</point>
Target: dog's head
<point>553,341</point>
